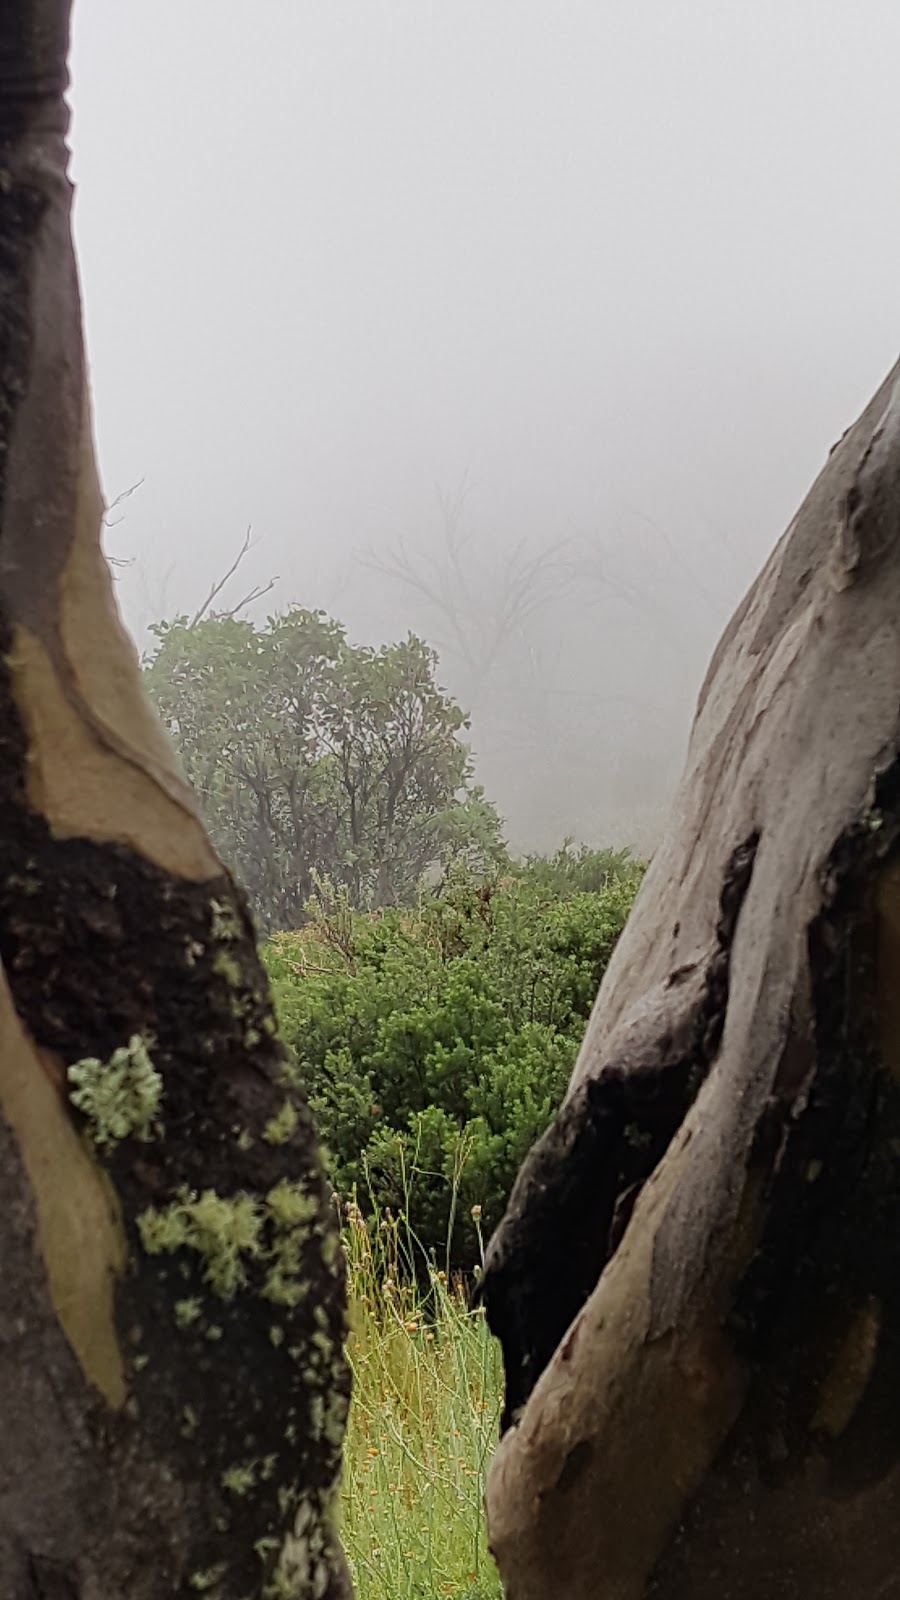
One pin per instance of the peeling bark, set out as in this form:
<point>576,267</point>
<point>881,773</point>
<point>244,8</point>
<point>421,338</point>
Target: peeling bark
<point>173,1387</point>
<point>702,1397</point>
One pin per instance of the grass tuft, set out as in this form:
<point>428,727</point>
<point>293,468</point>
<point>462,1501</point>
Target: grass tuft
<point>423,1423</point>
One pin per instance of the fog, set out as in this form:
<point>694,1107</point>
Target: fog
<point>521,325</point>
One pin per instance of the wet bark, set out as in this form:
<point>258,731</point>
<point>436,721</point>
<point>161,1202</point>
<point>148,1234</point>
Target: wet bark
<point>172,1381</point>
<point>697,1282</point>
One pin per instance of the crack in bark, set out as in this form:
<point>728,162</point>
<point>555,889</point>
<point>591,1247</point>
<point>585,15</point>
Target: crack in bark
<point>50,1580</point>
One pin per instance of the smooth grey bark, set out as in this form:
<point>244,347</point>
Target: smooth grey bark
<point>697,1282</point>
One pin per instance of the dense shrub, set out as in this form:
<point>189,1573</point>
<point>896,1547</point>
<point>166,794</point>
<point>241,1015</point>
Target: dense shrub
<point>436,1044</point>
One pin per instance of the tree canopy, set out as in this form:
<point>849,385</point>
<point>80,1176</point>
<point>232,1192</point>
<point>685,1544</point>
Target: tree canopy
<point>315,758</point>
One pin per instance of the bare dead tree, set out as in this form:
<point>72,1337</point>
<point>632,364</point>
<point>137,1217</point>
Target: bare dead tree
<point>477,604</point>
<point>255,593</point>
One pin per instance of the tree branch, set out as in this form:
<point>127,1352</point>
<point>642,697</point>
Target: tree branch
<point>220,583</point>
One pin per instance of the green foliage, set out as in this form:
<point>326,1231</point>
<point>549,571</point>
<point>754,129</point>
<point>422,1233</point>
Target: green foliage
<point>317,759</point>
<point>573,868</point>
<point>436,1044</point>
<point>423,1422</point>
<point>120,1097</point>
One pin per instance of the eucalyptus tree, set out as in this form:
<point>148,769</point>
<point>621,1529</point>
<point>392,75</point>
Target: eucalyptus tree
<point>172,1381</point>
<point>697,1281</point>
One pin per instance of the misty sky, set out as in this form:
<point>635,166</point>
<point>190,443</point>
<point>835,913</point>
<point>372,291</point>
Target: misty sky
<point>627,268</point>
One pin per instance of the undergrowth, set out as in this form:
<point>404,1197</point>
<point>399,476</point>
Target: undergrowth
<point>423,1423</point>
<point>438,1040</point>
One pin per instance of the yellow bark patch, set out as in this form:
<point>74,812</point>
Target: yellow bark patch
<point>99,763</point>
<point>80,1234</point>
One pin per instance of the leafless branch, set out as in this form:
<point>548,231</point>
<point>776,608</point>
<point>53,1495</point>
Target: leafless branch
<point>255,594</point>
<point>125,495</point>
<point>119,561</point>
<point>478,606</point>
<point>219,585</point>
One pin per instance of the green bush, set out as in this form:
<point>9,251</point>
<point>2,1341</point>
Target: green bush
<point>435,1045</point>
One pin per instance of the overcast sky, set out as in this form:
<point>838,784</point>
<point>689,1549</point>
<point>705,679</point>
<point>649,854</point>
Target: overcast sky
<point>620,264</point>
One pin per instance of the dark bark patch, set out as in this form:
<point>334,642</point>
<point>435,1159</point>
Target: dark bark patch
<point>244,1396</point>
<point>34,38</point>
<point>817,1315</point>
<point>575,1192</point>
<point>51,1580</point>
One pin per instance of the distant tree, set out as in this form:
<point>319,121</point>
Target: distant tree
<point>493,608</point>
<point>314,758</point>
<point>479,601</point>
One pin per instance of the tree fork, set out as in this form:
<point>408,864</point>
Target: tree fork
<point>703,1398</point>
<point>173,1388</point>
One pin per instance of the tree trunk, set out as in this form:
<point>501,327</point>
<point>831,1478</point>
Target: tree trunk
<point>172,1382</point>
<point>697,1281</point>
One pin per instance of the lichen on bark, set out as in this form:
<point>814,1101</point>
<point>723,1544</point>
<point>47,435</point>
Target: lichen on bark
<point>175,1400</point>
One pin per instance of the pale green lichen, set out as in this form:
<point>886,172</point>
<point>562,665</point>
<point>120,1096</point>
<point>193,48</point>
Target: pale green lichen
<point>337,1409</point>
<point>202,1581</point>
<point>316,1415</point>
<point>287,1494</point>
<point>223,1232</point>
<point>282,1289</point>
<point>331,1252</point>
<point>120,1097</point>
<point>25,884</point>
<point>303,1566</point>
<point>225,966</point>
<point>186,1312</point>
<point>279,1128</point>
<point>240,1480</point>
<point>226,928</point>
<point>290,1205</point>
<point>229,1233</point>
